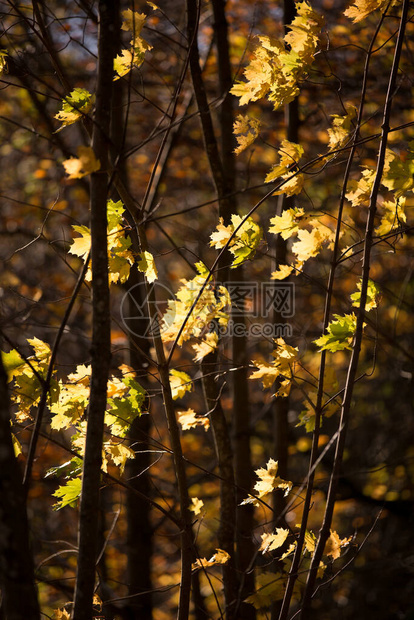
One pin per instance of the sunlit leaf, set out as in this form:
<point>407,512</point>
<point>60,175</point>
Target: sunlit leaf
<point>180,383</point>
<point>189,419</point>
<point>75,106</point>
<point>84,164</point>
<point>270,542</point>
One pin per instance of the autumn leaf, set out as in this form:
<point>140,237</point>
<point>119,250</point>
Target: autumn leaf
<point>270,542</point>
<point>360,9</point>
<point>361,190</point>
<point>246,236</point>
<point>195,307</point>
<point>283,366</point>
<point>268,481</point>
<point>393,216</point>
<point>180,383</point>
<point>372,296</point>
<point>205,346</point>
<point>398,174</point>
<point>84,164</point>
<point>246,130</point>
<point>68,494</point>
<point>341,127</point>
<point>286,224</point>
<point>75,106</point>
<point>220,557</point>
<point>196,505</point>
<point>289,156</point>
<point>340,333</point>
<point>334,545</point>
<point>282,272</point>
<point>189,419</point>
<point>146,264</point>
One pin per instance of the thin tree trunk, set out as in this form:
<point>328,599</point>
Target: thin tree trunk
<point>101,351</point>
<point>19,595</point>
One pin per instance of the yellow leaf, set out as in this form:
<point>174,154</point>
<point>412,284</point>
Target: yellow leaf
<point>61,614</point>
<point>180,383</point>
<point>86,163</point>
<point>75,106</point>
<point>246,130</point>
<point>310,542</point>
<point>282,272</point>
<point>133,21</point>
<point>393,216</point>
<point>123,63</point>
<point>270,542</point>
<point>341,127</point>
<point>334,545</point>
<point>268,481</point>
<point>147,266</point>
<point>286,224</point>
<point>206,346</point>
<point>360,9</point>
<point>220,557</point>
<point>361,190</point>
<point>118,453</point>
<point>81,245</point>
<point>189,419</point>
<point>196,505</point>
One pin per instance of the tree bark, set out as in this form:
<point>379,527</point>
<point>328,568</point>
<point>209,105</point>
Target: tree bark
<point>19,595</point>
<point>101,343</point>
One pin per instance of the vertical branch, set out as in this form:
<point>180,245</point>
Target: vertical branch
<point>241,405</point>
<point>356,349</point>
<point>293,573</point>
<point>187,543</point>
<point>226,533</point>
<point>19,596</point>
<point>101,352</point>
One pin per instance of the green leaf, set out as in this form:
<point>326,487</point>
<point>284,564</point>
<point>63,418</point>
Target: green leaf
<point>340,334</point>
<point>68,493</point>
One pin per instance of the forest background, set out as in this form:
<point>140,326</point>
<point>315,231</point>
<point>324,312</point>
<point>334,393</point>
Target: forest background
<point>225,430</point>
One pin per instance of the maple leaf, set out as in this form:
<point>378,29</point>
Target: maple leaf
<point>206,346</point>
<point>268,481</point>
<point>309,244</point>
<point>310,542</point>
<point>74,106</point>
<point>147,266</point>
<point>246,237</point>
<point>270,542</point>
<point>133,21</point>
<point>361,190</point>
<point>341,127</point>
<point>372,295</point>
<point>334,545</point>
<point>246,130</point>
<point>197,309</point>
<point>118,453</point>
<point>189,419</point>
<point>61,614</point>
<point>196,505</point>
<point>282,272</point>
<point>392,217</point>
<point>398,174</point>
<point>340,334</point>
<point>81,246</point>
<point>220,557</point>
<point>360,9</point>
<point>289,155</point>
<point>3,62</point>
<point>68,494</point>
<point>283,366</point>
<point>180,383</point>
<point>123,63</point>
<point>286,224</point>
<point>84,164</point>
